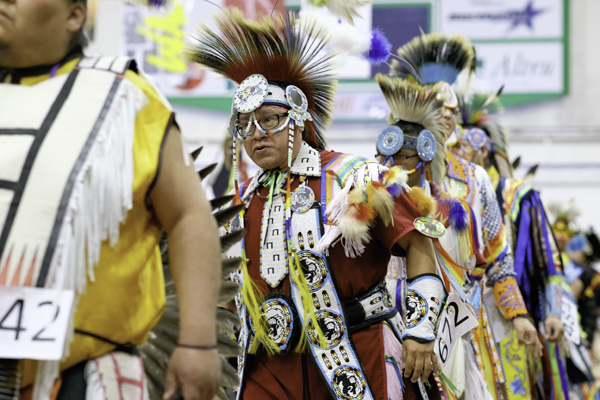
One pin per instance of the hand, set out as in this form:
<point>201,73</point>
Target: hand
<point>197,372</point>
<point>527,335</point>
<point>418,359</point>
<point>554,329</point>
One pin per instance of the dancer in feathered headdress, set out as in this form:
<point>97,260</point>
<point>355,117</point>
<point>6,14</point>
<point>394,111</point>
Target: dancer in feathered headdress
<point>438,57</point>
<point>540,278</point>
<point>415,141</point>
<point>481,128</point>
<point>310,214</point>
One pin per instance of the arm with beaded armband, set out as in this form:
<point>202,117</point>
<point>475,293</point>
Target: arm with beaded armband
<point>509,299</point>
<point>424,301</point>
<point>501,271</point>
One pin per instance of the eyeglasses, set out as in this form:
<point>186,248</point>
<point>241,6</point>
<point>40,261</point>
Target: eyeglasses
<point>266,125</point>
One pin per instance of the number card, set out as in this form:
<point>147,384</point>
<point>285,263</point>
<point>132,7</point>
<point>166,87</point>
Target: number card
<point>33,322</point>
<point>569,318</point>
<point>456,320</point>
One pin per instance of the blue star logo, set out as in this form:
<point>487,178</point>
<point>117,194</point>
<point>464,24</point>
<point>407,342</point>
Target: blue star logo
<point>526,16</point>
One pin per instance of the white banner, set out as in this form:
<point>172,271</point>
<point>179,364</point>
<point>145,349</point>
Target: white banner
<point>358,105</point>
<point>520,67</point>
<point>503,19</point>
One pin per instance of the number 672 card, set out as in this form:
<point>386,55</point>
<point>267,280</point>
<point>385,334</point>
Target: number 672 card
<point>33,322</point>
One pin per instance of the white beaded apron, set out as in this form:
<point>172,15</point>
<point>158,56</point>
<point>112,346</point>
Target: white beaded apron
<point>66,176</point>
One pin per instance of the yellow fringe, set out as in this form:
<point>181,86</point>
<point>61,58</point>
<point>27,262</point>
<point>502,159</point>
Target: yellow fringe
<point>251,293</point>
<point>426,205</point>
<point>309,312</point>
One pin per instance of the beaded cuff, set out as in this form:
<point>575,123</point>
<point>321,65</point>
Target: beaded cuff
<point>424,300</point>
<point>509,299</point>
<point>553,298</point>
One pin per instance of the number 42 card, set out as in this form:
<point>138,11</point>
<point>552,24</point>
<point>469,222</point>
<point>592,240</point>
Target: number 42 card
<point>33,322</point>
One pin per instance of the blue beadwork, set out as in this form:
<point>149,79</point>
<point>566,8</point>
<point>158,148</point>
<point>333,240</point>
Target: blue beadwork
<point>390,140</point>
<point>426,146</point>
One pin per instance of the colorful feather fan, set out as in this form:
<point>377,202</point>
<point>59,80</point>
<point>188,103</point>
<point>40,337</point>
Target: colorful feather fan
<point>287,50</point>
<point>434,57</point>
<point>410,102</point>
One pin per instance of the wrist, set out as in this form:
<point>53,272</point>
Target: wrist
<point>526,316</point>
<point>197,347</point>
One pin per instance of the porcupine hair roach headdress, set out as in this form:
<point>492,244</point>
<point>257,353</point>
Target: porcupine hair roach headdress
<point>434,57</point>
<point>283,50</point>
<point>478,110</point>
<point>413,103</point>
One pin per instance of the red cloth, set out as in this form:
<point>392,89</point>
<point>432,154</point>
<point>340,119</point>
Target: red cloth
<point>288,377</point>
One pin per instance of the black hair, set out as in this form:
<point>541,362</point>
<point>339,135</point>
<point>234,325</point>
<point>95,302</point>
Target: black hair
<point>80,38</point>
<point>411,129</point>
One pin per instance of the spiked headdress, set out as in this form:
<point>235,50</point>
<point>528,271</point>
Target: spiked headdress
<point>282,50</point>
<point>416,104</point>
<point>477,112</point>
<point>435,57</point>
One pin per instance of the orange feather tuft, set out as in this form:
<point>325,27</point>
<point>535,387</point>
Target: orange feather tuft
<point>426,204</point>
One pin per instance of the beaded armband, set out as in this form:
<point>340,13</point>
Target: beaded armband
<point>424,300</point>
<point>554,297</point>
<point>509,299</point>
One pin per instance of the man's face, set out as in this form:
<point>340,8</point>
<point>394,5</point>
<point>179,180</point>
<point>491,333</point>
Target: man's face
<point>269,151</point>
<point>447,119</point>
<point>472,154</point>
<point>407,159</point>
<point>41,29</point>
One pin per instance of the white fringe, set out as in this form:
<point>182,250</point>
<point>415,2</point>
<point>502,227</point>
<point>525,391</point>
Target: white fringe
<point>100,200</point>
<point>339,205</point>
<point>392,347</point>
<point>475,386</point>
<point>335,211</point>
<point>353,247</point>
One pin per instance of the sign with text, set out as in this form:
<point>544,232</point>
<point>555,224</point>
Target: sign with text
<point>33,322</point>
<point>520,67</point>
<point>503,19</point>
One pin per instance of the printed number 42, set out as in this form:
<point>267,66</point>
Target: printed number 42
<point>17,308</point>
